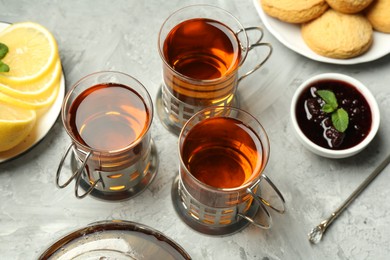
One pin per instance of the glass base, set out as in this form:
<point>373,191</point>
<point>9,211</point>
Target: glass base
<point>122,195</point>
<point>203,228</point>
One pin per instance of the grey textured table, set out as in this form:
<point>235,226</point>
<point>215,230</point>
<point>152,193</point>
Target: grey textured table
<point>122,35</point>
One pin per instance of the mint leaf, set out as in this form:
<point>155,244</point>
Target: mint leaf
<point>327,108</point>
<point>340,120</point>
<point>330,98</point>
<point>3,67</point>
<point>3,50</point>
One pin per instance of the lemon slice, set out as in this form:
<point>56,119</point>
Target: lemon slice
<point>36,89</point>
<point>32,102</point>
<point>33,52</point>
<point>15,125</point>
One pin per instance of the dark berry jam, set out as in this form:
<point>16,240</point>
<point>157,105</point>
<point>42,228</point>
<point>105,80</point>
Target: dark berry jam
<point>317,125</point>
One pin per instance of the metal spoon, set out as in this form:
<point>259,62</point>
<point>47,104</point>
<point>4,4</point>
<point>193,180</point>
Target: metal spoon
<point>317,232</point>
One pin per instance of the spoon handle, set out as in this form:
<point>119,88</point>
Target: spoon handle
<point>359,189</point>
<point>316,234</point>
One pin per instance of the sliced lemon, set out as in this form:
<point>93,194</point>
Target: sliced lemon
<point>15,125</point>
<point>32,102</point>
<point>33,52</point>
<point>36,89</point>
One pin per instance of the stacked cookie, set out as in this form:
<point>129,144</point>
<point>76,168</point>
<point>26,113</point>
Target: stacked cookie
<point>338,29</point>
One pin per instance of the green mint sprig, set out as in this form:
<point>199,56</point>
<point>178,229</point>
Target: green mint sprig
<point>339,116</point>
<point>3,51</point>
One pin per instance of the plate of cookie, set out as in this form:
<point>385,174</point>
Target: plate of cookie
<point>290,35</point>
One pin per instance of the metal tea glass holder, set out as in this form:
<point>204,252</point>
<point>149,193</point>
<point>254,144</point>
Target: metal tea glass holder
<point>225,220</point>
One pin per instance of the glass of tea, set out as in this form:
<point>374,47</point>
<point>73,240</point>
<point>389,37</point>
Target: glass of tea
<point>108,117</point>
<point>221,185</point>
<point>202,48</point>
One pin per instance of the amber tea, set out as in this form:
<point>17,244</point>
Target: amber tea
<point>222,152</point>
<point>108,117</point>
<point>201,49</point>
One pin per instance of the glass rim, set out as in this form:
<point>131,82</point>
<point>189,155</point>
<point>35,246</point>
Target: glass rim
<point>94,150</point>
<point>204,81</point>
<point>253,179</point>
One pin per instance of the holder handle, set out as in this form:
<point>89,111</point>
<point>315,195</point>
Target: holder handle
<point>266,225</point>
<point>75,175</point>
<point>77,185</point>
<point>258,43</point>
<point>60,165</point>
<point>263,203</point>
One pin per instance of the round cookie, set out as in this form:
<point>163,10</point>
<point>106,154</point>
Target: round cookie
<point>338,35</point>
<point>379,15</point>
<point>349,6</point>
<point>294,11</point>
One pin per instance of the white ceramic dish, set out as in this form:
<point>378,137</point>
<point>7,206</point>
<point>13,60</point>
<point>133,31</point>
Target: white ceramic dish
<point>290,36</point>
<point>329,153</point>
<point>42,126</point>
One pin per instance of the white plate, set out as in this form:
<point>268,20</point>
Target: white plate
<point>42,126</point>
<point>290,35</point>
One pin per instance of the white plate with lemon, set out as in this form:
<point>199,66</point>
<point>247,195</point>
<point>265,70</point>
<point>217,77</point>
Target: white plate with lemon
<point>31,93</point>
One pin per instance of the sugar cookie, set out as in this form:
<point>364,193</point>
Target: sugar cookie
<point>338,35</point>
<point>349,6</point>
<point>294,11</point>
<point>379,15</point>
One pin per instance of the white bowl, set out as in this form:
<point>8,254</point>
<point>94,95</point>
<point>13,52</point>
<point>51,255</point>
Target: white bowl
<point>327,152</point>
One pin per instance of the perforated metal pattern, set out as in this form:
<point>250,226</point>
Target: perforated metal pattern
<point>179,112</point>
<point>210,216</point>
<point>121,180</point>
<point>121,184</point>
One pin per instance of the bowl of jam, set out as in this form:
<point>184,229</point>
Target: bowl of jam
<point>334,115</point>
